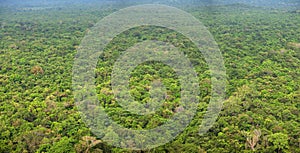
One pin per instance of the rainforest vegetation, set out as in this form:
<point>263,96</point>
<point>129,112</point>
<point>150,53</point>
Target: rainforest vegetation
<point>261,50</point>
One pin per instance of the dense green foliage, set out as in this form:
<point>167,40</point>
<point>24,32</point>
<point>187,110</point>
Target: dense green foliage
<point>261,49</point>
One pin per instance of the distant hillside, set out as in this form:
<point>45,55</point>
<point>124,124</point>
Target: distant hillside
<point>263,3</point>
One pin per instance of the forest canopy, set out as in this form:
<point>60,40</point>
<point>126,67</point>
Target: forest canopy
<point>261,50</point>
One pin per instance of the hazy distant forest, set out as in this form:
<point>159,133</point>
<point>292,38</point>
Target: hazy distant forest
<point>259,41</point>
